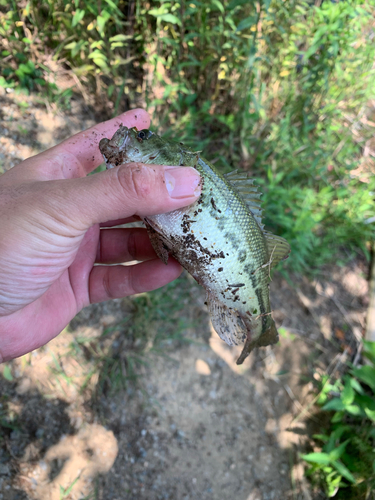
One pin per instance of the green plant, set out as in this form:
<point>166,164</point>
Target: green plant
<point>278,88</point>
<point>65,492</point>
<point>345,466</point>
<point>272,87</point>
<point>90,39</point>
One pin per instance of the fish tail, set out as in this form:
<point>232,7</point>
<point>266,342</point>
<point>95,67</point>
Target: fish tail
<point>269,337</point>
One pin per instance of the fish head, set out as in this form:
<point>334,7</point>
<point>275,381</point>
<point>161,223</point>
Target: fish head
<point>131,145</point>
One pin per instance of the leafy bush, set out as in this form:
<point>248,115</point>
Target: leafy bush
<point>277,88</point>
<point>346,465</point>
<point>88,38</point>
<point>270,88</point>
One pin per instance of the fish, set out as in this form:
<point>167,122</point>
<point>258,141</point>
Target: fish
<point>220,239</point>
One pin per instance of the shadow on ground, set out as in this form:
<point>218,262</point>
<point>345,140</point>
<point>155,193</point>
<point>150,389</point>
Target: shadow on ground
<point>140,399</point>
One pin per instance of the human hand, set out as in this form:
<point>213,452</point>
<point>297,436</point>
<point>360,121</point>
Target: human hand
<point>55,223</point>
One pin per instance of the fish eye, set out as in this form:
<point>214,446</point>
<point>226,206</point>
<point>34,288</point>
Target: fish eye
<point>144,134</point>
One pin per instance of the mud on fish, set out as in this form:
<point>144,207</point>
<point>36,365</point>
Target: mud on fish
<point>220,239</point>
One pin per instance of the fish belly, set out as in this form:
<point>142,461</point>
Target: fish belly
<point>218,256</point>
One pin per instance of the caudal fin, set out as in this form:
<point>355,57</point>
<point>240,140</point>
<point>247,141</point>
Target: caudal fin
<point>269,337</point>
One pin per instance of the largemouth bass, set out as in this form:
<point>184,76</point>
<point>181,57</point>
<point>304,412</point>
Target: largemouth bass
<point>220,239</point>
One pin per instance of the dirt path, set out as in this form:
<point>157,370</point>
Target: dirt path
<point>195,426</point>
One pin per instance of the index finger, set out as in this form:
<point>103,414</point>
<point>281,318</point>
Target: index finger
<point>85,145</point>
<point>76,156</point>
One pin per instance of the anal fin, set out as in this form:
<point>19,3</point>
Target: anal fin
<point>227,322</point>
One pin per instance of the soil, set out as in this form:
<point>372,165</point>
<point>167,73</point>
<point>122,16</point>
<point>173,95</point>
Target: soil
<point>194,425</point>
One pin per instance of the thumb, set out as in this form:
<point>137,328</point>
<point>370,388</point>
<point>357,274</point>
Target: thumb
<point>132,189</point>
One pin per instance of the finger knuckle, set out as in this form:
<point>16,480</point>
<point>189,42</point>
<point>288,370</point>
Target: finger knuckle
<point>136,180</point>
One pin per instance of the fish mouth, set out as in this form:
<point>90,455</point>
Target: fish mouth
<point>122,141</point>
<point>116,150</point>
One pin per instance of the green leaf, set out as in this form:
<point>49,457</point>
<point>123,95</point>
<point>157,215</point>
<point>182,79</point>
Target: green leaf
<point>322,437</point>
<point>335,404</point>
<point>369,350</point>
<point>246,23</point>
<point>96,54</point>
<point>27,68</point>
<point>117,44</point>
<point>120,38</point>
<point>170,18</point>
<point>78,16</point>
<point>347,395</point>
<point>353,410</point>
<point>337,417</point>
<point>84,69</point>
<point>189,99</point>
<point>219,5</point>
<point>70,45</point>
<point>311,51</point>
<point>101,21</point>
<point>370,414</point>
<point>157,12</point>
<point>337,452</point>
<point>340,467</point>
<point>7,373</point>
<point>356,385</point>
<point>320,458</point>
<point>3,82</point>
<point>100,62</point>
<point>114,7</point>
<point>366,374</point>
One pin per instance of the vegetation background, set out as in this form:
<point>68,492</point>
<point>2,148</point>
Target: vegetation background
<point>282,89</point>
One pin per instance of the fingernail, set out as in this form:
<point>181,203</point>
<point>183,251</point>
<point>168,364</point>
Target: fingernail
<point>182,182</point>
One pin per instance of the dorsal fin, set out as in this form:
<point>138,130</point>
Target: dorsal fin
<point>244,186</point>
<point>237,175</point>
<point>278,248</point>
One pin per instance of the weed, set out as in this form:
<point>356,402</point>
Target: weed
<point>345,465</point>
<point>65,492</point>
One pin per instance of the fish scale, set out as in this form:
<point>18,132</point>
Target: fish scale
<point>219,239</point>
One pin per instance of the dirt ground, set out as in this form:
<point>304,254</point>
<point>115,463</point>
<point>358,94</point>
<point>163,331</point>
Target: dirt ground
<point>195,426</point>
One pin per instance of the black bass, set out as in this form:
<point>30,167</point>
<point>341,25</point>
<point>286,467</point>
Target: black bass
<point>220,239</point>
